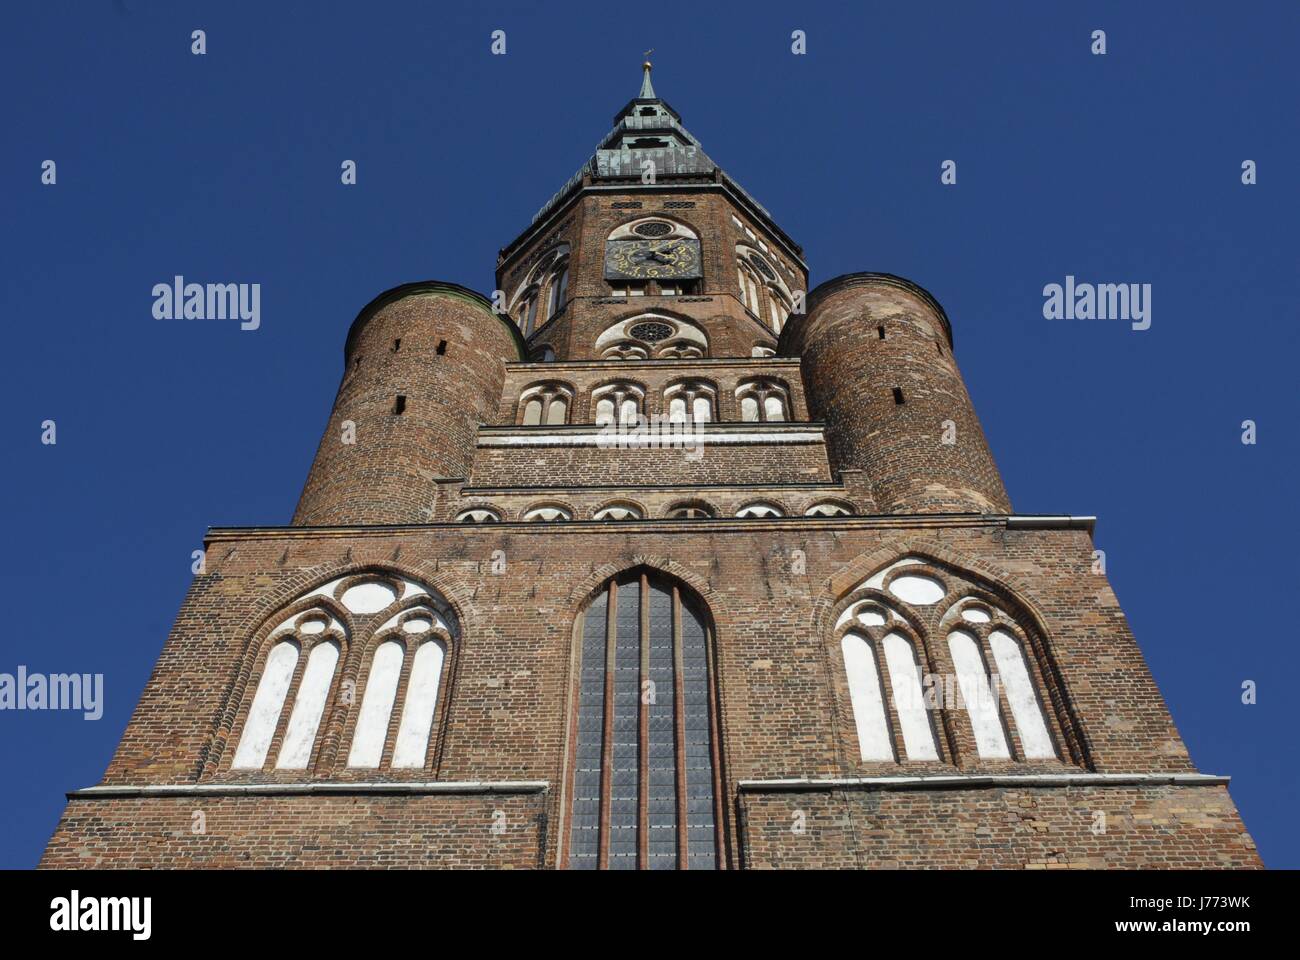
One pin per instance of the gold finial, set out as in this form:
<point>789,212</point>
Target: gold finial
<point>647,65</point>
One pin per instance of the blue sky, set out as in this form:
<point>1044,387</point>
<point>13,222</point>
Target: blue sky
<point>225,167</point>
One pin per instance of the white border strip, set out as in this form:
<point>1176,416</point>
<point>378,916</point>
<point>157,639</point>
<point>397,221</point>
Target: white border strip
<point>295,789</point>
<point>979,781</point>
<point>633,440</point>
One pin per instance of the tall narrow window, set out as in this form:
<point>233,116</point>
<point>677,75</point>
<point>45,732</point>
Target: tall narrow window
<point>909,699</point>
<point>618,400</point>
<point>421,699</point>
<point>545,403</point>
<point>690,400</point>
<point>268,702</point>
<point>1025,709</point>
<point>981,706</point>
<point>645,787</point>
<point>867,697</point>
<point>308,707</point>
<point>377,706</point>
<point>559,289</point>
<point>763,400</point>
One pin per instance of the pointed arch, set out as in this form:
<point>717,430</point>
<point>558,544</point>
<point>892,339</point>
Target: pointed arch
<point>287,702</point>
<point>643,781</point>
<point>999,693</point>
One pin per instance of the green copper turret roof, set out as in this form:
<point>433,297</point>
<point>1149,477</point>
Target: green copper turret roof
<point>647,128</point>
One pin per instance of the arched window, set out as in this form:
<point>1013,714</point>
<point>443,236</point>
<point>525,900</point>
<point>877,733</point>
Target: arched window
<point>649,335</point>
<point>410,658</point>
<point>689,400</point>
<point>544,290</point>
<point>987,678</point>
<point>547,513</point>
<point>478,515</point>
<point>377,705</point>
<point>885,690</point>
<point>618,402</point>
<point>545,403</point>
<point>828,508</point>
<point>619,511</point>
<point>558,287</point>
<point>748,288</point>
<point>309,706</point>
<point>645,788</point>
<point>762,350</point>
<point>526,311</point>
<point>691,510</point>
<point>298,689</point>
<point>763,400</point>
<point>760,509</point>
<point>755,273</point>
<point>268,702</point>
<point>987,638</point>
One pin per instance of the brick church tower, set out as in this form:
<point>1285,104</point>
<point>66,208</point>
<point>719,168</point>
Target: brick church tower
<point>653,561</point>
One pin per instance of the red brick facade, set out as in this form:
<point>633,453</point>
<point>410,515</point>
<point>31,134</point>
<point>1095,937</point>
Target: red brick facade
<point>876,517</point>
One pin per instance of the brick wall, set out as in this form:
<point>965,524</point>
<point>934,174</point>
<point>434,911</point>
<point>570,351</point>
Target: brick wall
<point>1058,828</point>
<point>772,589</point>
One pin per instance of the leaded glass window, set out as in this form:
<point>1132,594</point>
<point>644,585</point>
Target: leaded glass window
<point>645,786</point>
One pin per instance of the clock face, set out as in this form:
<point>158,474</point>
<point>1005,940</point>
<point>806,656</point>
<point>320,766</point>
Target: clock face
<point>652,259</point>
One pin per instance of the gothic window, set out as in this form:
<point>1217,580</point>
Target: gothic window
<point>983,685</point>
<point>762,350</point>
<point>749,289</point>
<point>656,335</point>
<point>545,403</point>
<point>377,705</point>
<point>690,400</point>
<point>268,703</point>
<point>996,686</point>
<point>755,273</point>
<point>828,508</point>
<point>544,290</point>
<point>645,788</point>
<point>619,511</point>
<point>691,510</point>
<point>526,311</point>
<point>478,515</point>
<point>621,402</point>
<point>309,706</point>
<point>881,667</point>
<point>760,509</point>
<point>652,228</point>
<point>547,513</point>
<point>763,400</point>
<point>298,687</point>
<point>558,287</point>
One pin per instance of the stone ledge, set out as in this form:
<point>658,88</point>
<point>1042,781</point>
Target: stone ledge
<point>980,781</point>
<point>110,792</point>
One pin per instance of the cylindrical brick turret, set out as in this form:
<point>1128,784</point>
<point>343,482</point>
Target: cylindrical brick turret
<point>877,364</point>
<point>424,366</point>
